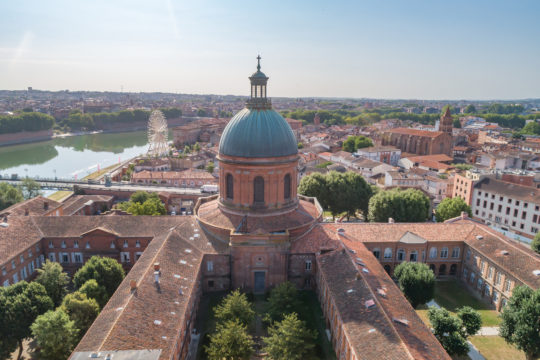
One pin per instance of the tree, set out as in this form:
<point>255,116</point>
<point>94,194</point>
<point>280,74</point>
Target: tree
<point>210,167</point>
<point>283,300</point>
<point>520,325</point>
<point>300,145</point>
<point>456,123</point>
<point>531,128</point>
<point>139,197</point>
<point>314,185</point>
<point>230,341</point>
<point>235,307</point>
<point>54,280</point>
<point>416,281</point>
<point>93,290</point>
<point>106,271</point>
<point>354,143</point>
<point>471,319</point>
<point>290,339</point>
<point>450,208</point>
<point>30,188</point>
<point>469,109</point>
<point>82,310</point>
<point>9,195</point>
<point>196,147</point>
<point>408,205</point>
<point>143,203</point>
<point>535,245</point>
<point>358,193</point>
<point>55,334</point>
<point>20,305</point>
<point>449,331</point>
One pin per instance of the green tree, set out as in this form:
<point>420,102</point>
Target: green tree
<point>471,319</point>
<point>235,307</point>
<point>315,185</point>
<point>20,305</point>
<point>290,339</point>
<point>354,143</point>
<point>450,208</point>
<point>416,281</point>
<point>463,167</point>
<point>143,203</point>
<point>139,197</point>
<point>349,144</point>
<point>449,331</point>
<point>196,147</point>
<point>187,149</point>
<point>230,341</point>
<point>456,123</point>
<point>300,145</point>
<point>283,300</point>
<point>82,310</point>
<point>106,271</point>
<point>210,167</point>
<point>30,188</point>
<point>93,290</point>
<point>535,244</point>
<point>358,193</point>
<point>54,280</point>
<point>520,321</point>
<point>9,195</point>
<point>469,109</point>
<point>532,128</point>
<point>408,205</point>
<point>55,334</point>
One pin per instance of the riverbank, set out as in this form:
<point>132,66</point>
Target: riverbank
<point>26,137</point>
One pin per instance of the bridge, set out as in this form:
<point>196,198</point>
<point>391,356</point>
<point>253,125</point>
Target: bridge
<point>70,184</point>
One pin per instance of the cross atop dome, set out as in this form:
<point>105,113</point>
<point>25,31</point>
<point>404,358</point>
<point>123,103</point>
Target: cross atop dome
<point>258,81</point>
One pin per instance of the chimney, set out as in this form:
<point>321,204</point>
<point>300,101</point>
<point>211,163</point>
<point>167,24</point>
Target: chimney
<point>133,285</point>
<point>390,220</point>
<point>46,205</point>
<point>464,215</point>
<point>26,212</point>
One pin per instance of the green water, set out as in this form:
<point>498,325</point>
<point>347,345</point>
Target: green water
<point>71,157</point>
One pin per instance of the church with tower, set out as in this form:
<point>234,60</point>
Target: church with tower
<point>422,142</point>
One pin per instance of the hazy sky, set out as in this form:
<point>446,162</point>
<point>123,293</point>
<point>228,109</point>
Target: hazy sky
<point>430,49</point>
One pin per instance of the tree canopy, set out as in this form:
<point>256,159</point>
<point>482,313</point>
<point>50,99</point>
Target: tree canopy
<point>408,205</point>
<point>230,341</point>
<point>235,306</point>
<point>9,195</point>
<point>450,208</point>
<point>25,121</point>
<point>535,245</point>
<point>283,300</point>
<point>143,203</point>
<point>354,143</point>
<point>106,271</point>
<point>54,280</point>
<point>82,310</point>
<point>449,331</point>
<point>532,128</point>
<point>20,305</point>
<point>95,291</point>
<point>290,339</point>
<point>338,192</point>
<point>55,334</point>
<point>416,281</point>
<point>520,321</point>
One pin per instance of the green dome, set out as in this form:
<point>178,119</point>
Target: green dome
<point>256,134</point>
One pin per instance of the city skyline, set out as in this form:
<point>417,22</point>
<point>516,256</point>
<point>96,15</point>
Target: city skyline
<point>417,50</point>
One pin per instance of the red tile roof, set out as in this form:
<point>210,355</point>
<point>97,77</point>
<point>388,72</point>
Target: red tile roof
<point>415,132</point>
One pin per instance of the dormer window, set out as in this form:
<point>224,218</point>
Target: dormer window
<point>76,244</point>
<point>51,245</point>
<point>125,243</point>
<point>63,244</point>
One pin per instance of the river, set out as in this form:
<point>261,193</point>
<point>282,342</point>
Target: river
<point>71,157</point>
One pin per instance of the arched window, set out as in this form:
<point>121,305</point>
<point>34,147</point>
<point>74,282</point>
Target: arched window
<point>287,187</point>
<point>229,186</point>
<point>453,269</point>
<point>400,255</point>
<point>258,190</point>
<point>442,269</point>
<point>388,253</point>
<point>377,253</point>
<point>432,267</point>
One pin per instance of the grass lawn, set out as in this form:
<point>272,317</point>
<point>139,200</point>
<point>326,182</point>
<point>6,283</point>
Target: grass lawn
<point>495,348</point>
<point>99,173</point>
<point>59,195</point>
<point>452,295</point>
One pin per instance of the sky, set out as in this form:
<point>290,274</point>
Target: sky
<point>432,49</point>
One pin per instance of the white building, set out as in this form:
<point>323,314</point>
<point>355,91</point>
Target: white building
<point>507,206</point>
<point>386,154</point>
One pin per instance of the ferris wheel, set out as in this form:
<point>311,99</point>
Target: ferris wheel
<point>157,134</point>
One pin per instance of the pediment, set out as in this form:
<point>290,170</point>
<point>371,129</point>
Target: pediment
<point>412,238</point>
<point>99,231</point>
